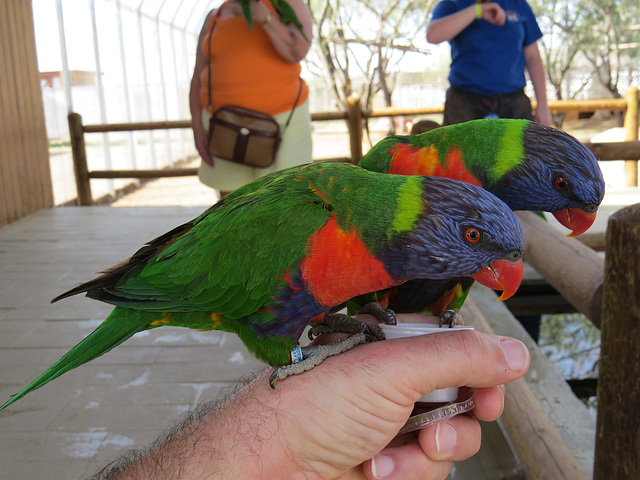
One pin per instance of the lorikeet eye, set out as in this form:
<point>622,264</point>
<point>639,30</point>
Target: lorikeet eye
<point>561,184</point>
<point>472,235</point>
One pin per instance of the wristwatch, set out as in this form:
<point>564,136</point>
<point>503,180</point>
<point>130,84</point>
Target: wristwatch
<point>267,19</point>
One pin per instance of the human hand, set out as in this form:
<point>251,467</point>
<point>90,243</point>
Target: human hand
<point>543,116</point>
<point>341,419</point>
<point>493,13</point>
<point>429,452</point>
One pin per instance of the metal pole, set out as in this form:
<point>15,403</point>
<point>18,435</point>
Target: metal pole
<point>125,81</point>
<point>103,107</point>
<point>63,54</point>
<point>163,84</point>
<point>175,76</point>
<point>145,80</point>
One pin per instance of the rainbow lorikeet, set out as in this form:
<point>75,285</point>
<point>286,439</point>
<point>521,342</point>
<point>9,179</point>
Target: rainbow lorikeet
<point>263,262</point>
<point>527,165</point>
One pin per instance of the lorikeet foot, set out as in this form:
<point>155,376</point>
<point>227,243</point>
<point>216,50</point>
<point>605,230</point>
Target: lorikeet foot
<point>314,355</point>
<point>451,318</point>
<point>384,315</point>
<point>342,323</point>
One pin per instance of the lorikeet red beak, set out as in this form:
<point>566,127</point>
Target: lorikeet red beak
<point>576,219</point>
<point>501,275</point>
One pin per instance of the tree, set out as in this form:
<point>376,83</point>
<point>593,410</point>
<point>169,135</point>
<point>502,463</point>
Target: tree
<point>601,33</point>
<point>365,39</point>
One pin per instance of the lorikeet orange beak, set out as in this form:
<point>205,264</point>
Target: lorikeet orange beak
<point>576,219</point>
<point>501,275</point>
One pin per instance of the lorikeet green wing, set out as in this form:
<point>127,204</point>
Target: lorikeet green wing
<point>270,257</point>
<point>525,164</point>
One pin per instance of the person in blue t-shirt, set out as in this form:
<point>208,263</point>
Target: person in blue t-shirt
<point>492,43</point>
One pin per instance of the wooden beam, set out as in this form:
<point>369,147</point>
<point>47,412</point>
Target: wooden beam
<point>629,150</point>
<point>572,268</point>
<point>354,122</point>
<point>596,241</point>
<point>618,422</point>
<point>631,134</point>
<point>80,162</point>
<point>535,439</point>
<point>167,172</point>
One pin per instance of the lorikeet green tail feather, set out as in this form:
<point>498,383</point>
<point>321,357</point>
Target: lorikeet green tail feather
<point>275,254</point>
<point>111,333</point>
<point>525,164</point>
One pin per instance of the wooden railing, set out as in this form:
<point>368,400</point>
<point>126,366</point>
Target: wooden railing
<point>354,116</point>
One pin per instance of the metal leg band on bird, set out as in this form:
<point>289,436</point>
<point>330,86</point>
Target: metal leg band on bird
<point>314,355</point>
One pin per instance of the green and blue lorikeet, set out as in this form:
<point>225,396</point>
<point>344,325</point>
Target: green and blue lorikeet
<point>525,164</point>
<point>266,260</point>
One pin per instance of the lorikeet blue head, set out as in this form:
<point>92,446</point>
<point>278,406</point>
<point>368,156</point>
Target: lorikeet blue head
<point>558,174</point>
<point>527,165</point>
<point>480,241</point>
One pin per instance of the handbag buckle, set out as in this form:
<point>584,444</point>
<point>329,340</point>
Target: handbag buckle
<point>244,131</point>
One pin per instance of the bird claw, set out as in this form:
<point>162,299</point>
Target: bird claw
<point>314,355</point>
<point>451,318</point>
<point>383,315</point>
<point>342,323</point>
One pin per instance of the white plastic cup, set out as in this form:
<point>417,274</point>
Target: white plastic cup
<point>401,330</point>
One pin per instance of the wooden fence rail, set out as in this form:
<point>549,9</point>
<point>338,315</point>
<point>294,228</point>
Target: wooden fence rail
<point>354,116</point>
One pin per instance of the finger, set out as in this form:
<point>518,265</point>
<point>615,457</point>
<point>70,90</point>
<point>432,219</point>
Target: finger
<point>489,403</point>
<point>454,439</point>
<point>407,462</point>
<point>454,359</point>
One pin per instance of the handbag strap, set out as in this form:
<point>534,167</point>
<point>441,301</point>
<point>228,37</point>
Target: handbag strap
<point>213,24</point>
<point>295,103</point>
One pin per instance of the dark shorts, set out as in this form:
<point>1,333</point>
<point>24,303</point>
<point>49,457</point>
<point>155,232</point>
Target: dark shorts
<point>462,105</point>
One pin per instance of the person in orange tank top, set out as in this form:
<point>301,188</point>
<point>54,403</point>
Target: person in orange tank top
<point>257,69</point>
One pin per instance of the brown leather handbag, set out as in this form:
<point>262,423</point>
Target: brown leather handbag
<point>243,135</point>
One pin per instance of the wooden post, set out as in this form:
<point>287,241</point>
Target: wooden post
<point>354,123</point>
<point>617,453</point>
<point>80,165</point>
<point>572,268</point>
<point>25,175</point>
<point>631,132</point>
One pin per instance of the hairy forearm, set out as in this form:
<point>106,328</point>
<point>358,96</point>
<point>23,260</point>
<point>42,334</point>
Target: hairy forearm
<point>240,437</point>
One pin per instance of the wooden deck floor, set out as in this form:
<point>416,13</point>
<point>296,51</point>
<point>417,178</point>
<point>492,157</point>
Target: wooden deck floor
<point>124,399</point>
